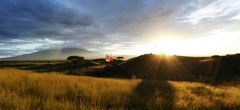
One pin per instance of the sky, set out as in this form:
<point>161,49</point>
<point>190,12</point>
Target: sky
<point>124,27</point>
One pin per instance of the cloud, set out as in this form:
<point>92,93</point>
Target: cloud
<point>130,18</point>
<point>41,18</point>
<point>18,47</point>
<point>106,25</point>
<point>205,17</point>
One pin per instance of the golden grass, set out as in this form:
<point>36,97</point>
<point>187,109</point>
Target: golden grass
<point>21,89</point>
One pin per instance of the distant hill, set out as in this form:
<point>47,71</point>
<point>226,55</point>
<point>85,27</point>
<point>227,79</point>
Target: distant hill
<point>56,54</point>
<point>203,69</point>
<point>125,57</point>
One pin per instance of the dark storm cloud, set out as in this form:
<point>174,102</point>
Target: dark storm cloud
<point>132,17</point>
<point>37,18</point>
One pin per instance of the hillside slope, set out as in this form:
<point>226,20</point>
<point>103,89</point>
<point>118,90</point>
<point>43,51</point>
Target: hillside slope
<point>56,54</point>
<point>204,69</point>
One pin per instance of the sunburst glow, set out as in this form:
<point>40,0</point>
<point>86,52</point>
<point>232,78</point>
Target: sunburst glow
<point>198,46</point>
<point>165,45</point>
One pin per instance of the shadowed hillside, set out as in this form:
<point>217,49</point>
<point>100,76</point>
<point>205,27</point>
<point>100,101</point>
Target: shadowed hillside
<point>203,69</point>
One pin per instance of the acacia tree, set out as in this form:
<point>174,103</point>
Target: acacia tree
<point>120,58</point>
<point>76,61</point>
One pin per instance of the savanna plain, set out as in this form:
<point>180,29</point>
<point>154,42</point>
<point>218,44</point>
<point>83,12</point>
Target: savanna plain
<point>22,88</point>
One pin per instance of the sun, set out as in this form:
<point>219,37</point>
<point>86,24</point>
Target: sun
<point>165,45</point>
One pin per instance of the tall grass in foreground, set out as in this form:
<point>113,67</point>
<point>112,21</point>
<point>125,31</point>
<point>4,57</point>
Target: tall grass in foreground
<point>20,89</point>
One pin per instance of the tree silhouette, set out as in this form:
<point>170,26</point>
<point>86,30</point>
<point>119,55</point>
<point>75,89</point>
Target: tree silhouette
<point>120,58</point>
<point>76,61</point>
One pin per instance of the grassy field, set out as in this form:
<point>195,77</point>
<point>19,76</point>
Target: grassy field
<point>25,89</point>
<point>61,66</point>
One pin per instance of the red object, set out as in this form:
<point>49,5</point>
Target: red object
<point>107,58</point>
<point>111,58</point>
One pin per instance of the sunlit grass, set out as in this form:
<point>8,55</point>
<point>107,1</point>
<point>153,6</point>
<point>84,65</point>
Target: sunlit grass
<point>21,89</point>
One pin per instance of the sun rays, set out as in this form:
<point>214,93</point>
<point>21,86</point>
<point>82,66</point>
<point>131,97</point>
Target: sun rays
<point>161,66</point>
